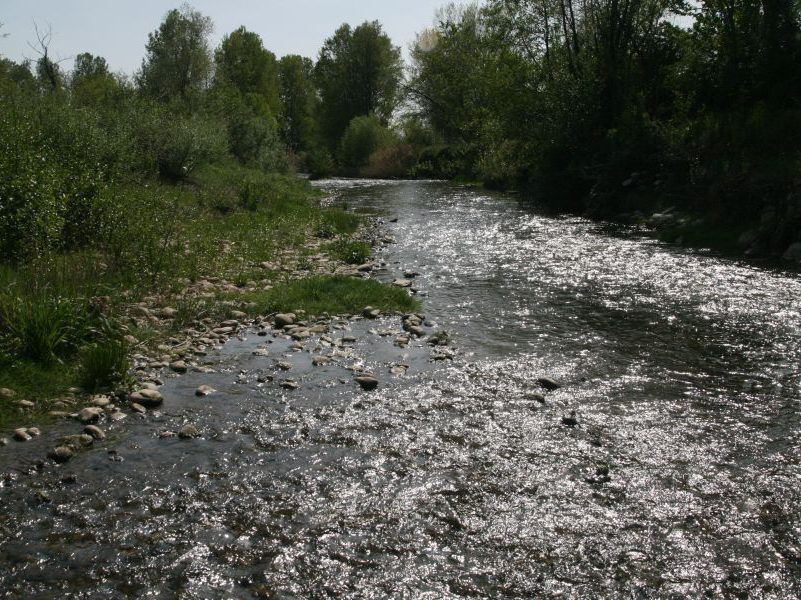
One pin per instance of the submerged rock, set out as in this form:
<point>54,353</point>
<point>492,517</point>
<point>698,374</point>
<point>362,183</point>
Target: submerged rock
<point>570,420</point>
<point>204,390</point>
<point>548,383</point>
<point>188,431</point>
<point>61,454</point>
<point>367,382</point>
<point>22,435</point>
<point>95,432</point>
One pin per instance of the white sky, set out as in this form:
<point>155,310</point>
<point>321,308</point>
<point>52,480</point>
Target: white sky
<point>117,29</point>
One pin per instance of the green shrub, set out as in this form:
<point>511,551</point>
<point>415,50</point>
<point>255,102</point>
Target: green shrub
<point>172,145</point>
<point>362,138</point>
<point>390,162</point>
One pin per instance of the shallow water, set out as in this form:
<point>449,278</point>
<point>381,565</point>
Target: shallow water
<point>680,476</point>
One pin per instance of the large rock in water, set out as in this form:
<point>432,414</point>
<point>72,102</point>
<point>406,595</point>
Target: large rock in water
<point>367,382</point>
<point>147,398</point>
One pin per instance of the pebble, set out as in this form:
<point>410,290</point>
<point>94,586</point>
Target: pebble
<point>284,366</point>
<point>320,361</point>
<point>6,393</point>
<point>25,404</point>
<point>188,431</point>
<point>95,432</point>
<point>404,283</point>
<point>204,390</point>
<point>61,454</point>
<point>288,384</point>
<point>367,382</point>
<point>371,313</point>
<point>3,442</point>
<point>138,408</point>
<point>34,431</point>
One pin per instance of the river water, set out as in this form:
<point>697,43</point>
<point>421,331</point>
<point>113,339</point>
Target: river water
<point>666,466</point>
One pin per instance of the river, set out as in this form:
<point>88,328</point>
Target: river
<point>666,466</point>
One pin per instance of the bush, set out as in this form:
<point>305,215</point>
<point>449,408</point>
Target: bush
<point>362,138</point>
<point>390,162</point>
<point>172,145</point>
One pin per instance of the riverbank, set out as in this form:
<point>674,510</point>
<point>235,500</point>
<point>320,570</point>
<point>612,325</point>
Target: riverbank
<point>80,334</point>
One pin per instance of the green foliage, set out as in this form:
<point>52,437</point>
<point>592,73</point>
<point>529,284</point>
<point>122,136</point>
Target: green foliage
<point>358,73</point>
<point>361,139</point>
<point>172,145</point>
<point>178,63</point>
<point>104,365</point>
<point>44,328</point>
<point>349,251</point>
<point>333,295</point>
<point>243,63</point>
<point>298,103</point>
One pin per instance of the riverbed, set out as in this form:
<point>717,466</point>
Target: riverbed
<point>666,465</point>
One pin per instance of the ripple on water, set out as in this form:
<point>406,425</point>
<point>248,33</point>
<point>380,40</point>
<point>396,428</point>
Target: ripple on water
<point>674,474</point>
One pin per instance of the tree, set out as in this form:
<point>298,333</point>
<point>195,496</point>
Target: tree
<point>243,63</point>
<point>178,61</point>
<point>298,103</point>
<point>87,65</point>
<point>358,73</point>
<point>91,82</point>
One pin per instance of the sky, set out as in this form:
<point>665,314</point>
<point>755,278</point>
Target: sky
<point>117,29</point>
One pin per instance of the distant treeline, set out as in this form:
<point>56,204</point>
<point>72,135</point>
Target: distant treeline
<point>605,106</point>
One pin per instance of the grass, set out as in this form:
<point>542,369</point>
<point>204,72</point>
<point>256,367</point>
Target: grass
<point>348,251</point>
<point>333,295</point>
<point>104,366</point>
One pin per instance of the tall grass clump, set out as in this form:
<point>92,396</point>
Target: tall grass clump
<point>104,365</point>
